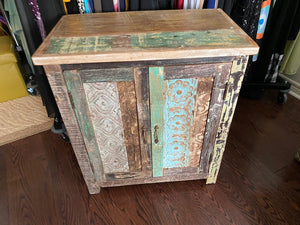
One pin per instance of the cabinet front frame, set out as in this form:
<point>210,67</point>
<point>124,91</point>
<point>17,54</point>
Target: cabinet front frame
<point>76,78</point>
<point>56,80</point>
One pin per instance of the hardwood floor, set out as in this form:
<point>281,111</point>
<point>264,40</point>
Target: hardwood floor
<point>259,180</point>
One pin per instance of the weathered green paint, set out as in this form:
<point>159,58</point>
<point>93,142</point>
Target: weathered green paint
<point>186,39</point>
<point>74,85</point>
<point>183,39</point>
<point>80,44</point>
<point>156,76</point>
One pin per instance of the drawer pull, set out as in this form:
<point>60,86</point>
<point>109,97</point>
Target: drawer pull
<point>155,134</point>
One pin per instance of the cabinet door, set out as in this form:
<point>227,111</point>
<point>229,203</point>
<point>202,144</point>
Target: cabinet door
<point>186,103</point>
<point>105,104</point>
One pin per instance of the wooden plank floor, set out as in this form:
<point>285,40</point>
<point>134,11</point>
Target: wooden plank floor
<point>259,181</point>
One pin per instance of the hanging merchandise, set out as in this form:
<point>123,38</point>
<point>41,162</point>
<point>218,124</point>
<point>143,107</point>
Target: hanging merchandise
<point>65,7</point>
<point>283,25</point>
<point>193,4</point>
<point>290,62</point>
<point>246,14</point>
<point>116,5</point>
<point>2,20</point>
<point>51,12</point>
<point>212,4</point>
<point>97,6</point>
<point>134,5</point>
<point>81,6</point>
<point>126,5</point>
<point>149,5</point>
<point>121,5</point>
<point>179,4</point>
<point>226,5</point>
<point>107,6</point>
<point>70,6</point>
<point>263,18</point>
<point>17,29</point>
<point>165,4</point>
<point>89,6</point>
<point>37,15</point>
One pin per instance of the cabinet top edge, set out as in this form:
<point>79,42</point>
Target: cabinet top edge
<point>143,35</point>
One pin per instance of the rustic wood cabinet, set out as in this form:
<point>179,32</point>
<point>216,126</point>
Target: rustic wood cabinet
<point>146,96</point>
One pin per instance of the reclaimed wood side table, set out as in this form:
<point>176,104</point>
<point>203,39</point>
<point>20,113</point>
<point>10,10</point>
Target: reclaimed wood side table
<point>146,96</point>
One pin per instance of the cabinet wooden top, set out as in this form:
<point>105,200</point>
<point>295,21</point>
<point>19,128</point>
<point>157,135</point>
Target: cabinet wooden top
<point>143,35</point>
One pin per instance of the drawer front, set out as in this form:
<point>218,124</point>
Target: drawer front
<point>186,104</point>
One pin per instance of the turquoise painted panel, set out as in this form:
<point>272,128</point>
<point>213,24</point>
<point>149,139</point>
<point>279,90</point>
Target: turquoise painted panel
<point>156,75</point>
<point>178,120</point>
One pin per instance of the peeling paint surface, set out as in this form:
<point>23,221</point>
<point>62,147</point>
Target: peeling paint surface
<point>142,41</point>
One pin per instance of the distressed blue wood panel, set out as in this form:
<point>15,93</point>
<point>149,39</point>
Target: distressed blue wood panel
<point>178,110</point>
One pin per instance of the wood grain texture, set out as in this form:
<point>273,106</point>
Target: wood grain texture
<point>145,35</point>
<point>75,88</point>
<point>156,75</point>
<point>106,75</point>
<point>141,78</point>
<point>202,100</point>
<point>138,64</point>
<point>58,86</point>
<point>214,114</point>
<point>181,171</point>
<point>44,185</point>
<point>235,83</point>
<point>178,108</point>
<point>124,175</point>
<point>106,116</point>
<point>190,71</point>
<point>149,180</point>
<point>128,106</point>
<point>17,121</point>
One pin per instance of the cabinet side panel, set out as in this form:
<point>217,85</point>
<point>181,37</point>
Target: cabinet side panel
<point>141,78</point>
<point>156,76</point>
<point>58,86</point>
<point>74,85</point>
<point>104,107</point>
<point>127,98</point>
<point>200,117</point>
<point>235,83</point>
<point>179,103</point>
